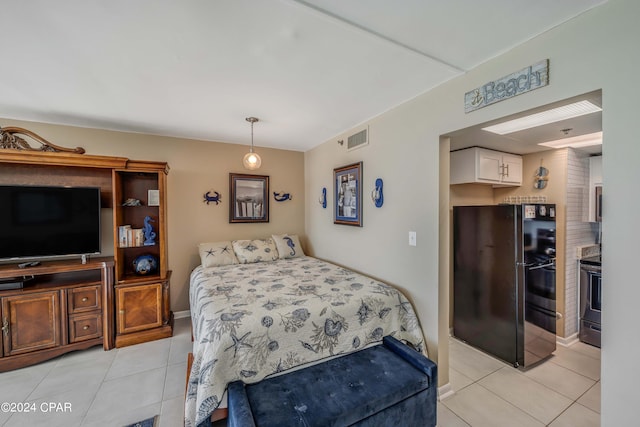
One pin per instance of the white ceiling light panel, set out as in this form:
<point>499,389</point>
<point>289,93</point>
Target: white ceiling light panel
<point>544,117</point>
<point>576,141</point>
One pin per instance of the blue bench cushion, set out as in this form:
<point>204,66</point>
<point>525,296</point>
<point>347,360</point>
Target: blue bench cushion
<point>338,392</point>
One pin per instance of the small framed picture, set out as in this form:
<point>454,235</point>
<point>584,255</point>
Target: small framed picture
<point>153,198</point>
<point>347,186</point>
<point>249,198</point>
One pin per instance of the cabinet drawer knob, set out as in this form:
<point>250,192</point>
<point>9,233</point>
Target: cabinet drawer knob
<point>85,299</point>
<point>121,311</point>
<point>85,327</point>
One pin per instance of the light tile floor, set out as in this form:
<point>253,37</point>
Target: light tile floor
<point>562,391</point>
<point>104,388</point>
<point>122,386</point>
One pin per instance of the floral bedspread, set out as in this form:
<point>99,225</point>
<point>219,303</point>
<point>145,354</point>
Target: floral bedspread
<point>254,320</point>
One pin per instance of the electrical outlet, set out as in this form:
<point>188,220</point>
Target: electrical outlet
<point>412,238</point>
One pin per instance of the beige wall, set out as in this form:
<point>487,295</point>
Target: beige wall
<point>555,191</point>
<point>596,50</point>
<point>471,194</point>
<point>195,168</point>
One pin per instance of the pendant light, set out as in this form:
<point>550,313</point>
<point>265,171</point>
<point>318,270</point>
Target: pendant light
<point>251,160</point>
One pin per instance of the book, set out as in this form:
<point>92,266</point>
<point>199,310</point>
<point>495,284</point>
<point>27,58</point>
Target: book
<point>123,240</point>
<point>138,237</point>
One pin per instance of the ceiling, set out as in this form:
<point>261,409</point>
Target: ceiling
<point>309,70</point>
<point>526,141</point>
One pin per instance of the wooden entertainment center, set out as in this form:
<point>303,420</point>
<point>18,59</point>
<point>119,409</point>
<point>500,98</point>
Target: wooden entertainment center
<point>70,305</point>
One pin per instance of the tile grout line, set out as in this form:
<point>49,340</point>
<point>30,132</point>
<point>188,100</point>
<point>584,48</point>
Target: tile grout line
<point>162,400</point>
<point>504,400</point>
<point>572,400</point>
<point>84,417</point>
<point>574,371</point>
<point>522,409</point>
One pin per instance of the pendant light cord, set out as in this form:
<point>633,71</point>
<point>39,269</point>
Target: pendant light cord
<point>252,136</point>
<point>252,120</point>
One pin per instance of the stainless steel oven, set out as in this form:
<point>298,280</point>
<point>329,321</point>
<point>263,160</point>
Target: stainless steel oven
<point>590,301</point>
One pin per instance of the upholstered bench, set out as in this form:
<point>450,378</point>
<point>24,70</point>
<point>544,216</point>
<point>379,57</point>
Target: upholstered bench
<point>385,385</point>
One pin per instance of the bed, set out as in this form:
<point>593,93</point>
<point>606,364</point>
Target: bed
<point>252,319</point>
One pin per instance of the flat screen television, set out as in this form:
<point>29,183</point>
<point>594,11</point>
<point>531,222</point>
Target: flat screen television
<point>40,221</point>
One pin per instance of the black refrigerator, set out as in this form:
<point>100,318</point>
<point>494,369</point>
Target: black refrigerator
<point>504,281</point>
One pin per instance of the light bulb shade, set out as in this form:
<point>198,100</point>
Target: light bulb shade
<point>251,161</point>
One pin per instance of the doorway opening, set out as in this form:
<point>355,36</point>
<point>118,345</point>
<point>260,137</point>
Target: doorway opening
<point>565,176</point>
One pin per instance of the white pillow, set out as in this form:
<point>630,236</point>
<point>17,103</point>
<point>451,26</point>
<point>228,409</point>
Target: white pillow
<point>288,246</point>
<point>217,253</point>
<point>250,251</point>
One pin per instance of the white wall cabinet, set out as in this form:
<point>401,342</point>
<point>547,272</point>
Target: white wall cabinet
<point>480,165</point>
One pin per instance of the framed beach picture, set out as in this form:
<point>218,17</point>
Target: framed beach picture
<point>249,198</point>
<point>347,190</point>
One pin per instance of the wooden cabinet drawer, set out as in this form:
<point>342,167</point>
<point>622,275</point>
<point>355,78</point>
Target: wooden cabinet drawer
<point>85,327</point>
<point>84,299</point>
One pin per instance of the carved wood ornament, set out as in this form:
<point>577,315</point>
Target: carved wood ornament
<point>9,139</point>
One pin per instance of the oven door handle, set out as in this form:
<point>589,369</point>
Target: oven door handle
<point>537,267</point>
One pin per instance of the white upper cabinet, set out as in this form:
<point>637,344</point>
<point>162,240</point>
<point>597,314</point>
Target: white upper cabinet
<point>480,165</point>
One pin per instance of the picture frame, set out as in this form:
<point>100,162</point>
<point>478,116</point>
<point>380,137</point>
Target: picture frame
<point>347,192</point>
<point>249,198</point>
<point>153,198</point>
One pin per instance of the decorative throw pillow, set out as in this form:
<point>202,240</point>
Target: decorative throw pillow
<point>217,253</point>
<point>288,246</point>
<point>250,251</point>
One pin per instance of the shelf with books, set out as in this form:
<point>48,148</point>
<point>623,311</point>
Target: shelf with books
<point>140,250</point>
<point>139,217</point>
<point>119,180</point>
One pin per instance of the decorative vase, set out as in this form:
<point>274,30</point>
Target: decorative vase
<point>145,265</point>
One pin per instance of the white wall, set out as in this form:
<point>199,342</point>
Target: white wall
<point>597,50</point>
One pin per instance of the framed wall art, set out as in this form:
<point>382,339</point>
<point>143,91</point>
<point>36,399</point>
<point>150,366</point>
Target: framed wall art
<point>249,198</point>
<point>347,190</point>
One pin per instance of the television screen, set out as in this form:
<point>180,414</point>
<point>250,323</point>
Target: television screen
<point>49,221</point>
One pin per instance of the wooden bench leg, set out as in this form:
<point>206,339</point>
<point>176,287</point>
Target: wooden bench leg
<point>189,363</point>
<point>219,414</point>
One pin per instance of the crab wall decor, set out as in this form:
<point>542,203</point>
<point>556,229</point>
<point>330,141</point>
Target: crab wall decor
<point>212,196</point>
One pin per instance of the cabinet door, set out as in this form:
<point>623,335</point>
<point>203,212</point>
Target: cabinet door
<point>511,169</point>
<point>489,166</point>
<point>33,322</point>
<point>139,307</point>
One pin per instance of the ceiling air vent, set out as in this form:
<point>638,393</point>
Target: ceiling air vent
<point>358,139</point>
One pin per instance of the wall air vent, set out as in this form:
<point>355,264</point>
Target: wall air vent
<point>358,139</point>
